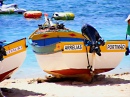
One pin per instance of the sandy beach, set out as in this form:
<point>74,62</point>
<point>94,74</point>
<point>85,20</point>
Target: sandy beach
<point>117,85</point>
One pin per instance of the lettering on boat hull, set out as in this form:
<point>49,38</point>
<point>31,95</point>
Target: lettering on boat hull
<point>14,50</point>
<point>116,46</point>
<point>73,47</point>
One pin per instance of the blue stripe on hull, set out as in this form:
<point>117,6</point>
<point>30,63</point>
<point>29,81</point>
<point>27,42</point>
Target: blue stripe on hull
<point>49,41</point>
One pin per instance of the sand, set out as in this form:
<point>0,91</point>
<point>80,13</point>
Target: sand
<point>117,85</point>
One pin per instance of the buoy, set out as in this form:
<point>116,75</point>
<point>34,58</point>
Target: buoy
<point>63,16</point>
<point>32,14</point>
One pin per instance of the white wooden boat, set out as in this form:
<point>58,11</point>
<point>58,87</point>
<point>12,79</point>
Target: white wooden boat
<point>12,55</point>
<point>65,53</point>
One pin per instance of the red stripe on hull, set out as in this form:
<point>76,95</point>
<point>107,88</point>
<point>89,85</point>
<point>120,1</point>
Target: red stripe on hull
<point>68,72</point>
<point>6,75</point>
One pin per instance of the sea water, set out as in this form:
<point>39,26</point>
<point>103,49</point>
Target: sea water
<point>107,16</point>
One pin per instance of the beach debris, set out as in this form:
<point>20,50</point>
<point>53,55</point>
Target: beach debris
<point>125,73</point>
<point>32,81</point>
<point>40,80</point>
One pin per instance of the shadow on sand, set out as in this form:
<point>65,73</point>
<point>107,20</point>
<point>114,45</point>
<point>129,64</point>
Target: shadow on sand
<point>98,80</point>
<point>14,92</point>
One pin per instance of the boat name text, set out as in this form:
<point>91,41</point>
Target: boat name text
<point>116,46</point>
<point>72,47</point>
<point>14,50</point>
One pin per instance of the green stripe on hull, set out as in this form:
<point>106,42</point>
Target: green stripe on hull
<point>44,49</point>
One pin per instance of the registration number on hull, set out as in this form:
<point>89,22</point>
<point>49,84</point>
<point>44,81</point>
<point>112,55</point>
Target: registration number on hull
<point>73,47</point>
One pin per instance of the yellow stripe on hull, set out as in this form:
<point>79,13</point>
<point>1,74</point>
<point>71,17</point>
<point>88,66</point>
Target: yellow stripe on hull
<point>76,47</point>
<point>15,48</point>
<point>40,34</point>
<point>115,46</point>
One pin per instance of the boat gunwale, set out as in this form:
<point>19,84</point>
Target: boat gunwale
<point>15,41</point>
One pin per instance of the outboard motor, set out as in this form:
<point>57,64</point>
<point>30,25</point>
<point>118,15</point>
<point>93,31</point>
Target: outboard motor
<point>91,34</point>
<point>2,52</point>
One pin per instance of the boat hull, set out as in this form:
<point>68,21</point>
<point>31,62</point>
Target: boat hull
<point>69,60</point>
<point>16,53</point>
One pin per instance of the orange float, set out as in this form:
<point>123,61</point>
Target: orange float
<point>32,14</point>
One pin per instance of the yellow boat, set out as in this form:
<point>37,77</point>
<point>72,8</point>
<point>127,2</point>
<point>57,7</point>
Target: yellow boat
<point>65,53</point>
